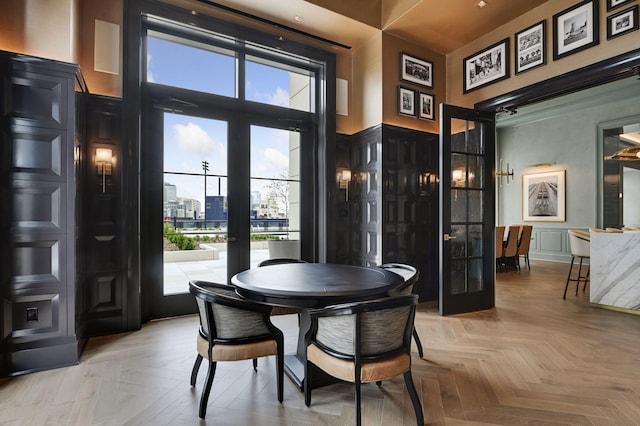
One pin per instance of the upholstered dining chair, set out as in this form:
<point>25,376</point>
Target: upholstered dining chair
<point>499,248</point>
<point>580,242</point>
<point>410,286</point>
<point>511,248</point>
<point>281,310</point>
<point>363,342</point>
<point>232,329</point>
<point>524,243</point>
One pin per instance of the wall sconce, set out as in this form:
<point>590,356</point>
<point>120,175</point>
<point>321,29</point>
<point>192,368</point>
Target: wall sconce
<point>427,182</point>
<point>344,177</point>
<point>506,173</point>
<point>104,160</point>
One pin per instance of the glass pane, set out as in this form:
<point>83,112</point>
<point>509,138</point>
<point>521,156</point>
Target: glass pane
<point>476,171</point>
<point>475,241</point>
<point>270,83</point>
<point>459,241</point>
<point>275,193</point>
<point>199,67</point>
<point>458,205</point>
<point>458,135</point>
<point>475,276</point>
<point>458,276</point>
<point>474,140</point>
<point>475,206</point>
<point>195,201</point>
<point>458,171</point>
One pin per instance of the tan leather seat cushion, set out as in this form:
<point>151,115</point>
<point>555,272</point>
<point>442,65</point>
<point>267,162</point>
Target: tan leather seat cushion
<point>370,372</point>
<point>223,352</point>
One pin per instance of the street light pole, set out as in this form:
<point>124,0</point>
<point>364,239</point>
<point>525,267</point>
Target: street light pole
<point>205,167</point>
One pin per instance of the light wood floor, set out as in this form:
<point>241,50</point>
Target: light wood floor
<point>535,359</point>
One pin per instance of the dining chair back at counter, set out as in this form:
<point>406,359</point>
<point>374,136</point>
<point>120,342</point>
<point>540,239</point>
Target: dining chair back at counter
<point>524,244</point>
<point>499,247</point>
<point>580,242</point>
<point>511,248</point>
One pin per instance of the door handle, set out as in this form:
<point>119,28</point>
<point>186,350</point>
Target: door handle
<point>448,237</point>
<point>231,239</point>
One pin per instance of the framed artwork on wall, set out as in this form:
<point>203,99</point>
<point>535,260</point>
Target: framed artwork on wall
<point>576,29</point>
<point>487,66</point>
<point>426,106</point>
<point>612,4</point>
<point>543,197</point>
<point>416,70</point>
<point>530,47</point>
<point>406,101</point>
<point>622,22</point>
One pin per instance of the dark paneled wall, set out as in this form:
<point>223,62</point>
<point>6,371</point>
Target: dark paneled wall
<point>102,300</point>
<point>38,173</point>
<point>388,216</point>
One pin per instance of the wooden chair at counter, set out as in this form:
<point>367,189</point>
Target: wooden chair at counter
<point>499,247</point>
<point>511,248</point>
<point>523,244</point>
<point>580,242</point>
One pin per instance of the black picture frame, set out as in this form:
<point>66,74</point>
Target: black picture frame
<point>576,29</point>
<point>406,101</point>
<point>487,66</point>
<point>530,47</point>
<point>623,22</point>
<point>416,70</point>
<point>426,106</point>
<point>614,4</point>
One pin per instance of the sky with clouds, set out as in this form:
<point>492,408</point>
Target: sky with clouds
<point>188,141</point>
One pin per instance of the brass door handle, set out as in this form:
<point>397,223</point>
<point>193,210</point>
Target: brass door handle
<point>448,237</point>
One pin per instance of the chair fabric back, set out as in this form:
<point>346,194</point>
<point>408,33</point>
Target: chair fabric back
<point>511,249</point>
<point>369,329</point>
<point>410,275</point>
<point>525,239</point>
<point>499,241</point>
<point>580,243</point>
<point>226,315</point>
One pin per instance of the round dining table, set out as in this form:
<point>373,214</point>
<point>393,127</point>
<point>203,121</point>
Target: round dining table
<point>312,285</point>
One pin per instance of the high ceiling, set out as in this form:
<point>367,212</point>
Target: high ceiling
<point>441,25</point>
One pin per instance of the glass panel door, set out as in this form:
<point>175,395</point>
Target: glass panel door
<point>467,281</point>
<point>195,207</point>
<point>275,193</point>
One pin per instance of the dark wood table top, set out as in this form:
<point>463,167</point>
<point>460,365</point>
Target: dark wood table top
<point>310,285</point>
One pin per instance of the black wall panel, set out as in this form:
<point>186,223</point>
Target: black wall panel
<point>38,234</point>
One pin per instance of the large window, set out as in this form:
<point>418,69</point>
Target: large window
<point>227,148</point>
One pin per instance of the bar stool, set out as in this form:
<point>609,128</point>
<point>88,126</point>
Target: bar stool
<point>580,242</point>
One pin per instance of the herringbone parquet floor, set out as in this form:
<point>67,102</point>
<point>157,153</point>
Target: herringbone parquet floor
<point>535,359</point>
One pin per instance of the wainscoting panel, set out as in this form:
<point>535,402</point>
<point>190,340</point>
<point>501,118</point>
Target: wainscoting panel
<point>550,244</point>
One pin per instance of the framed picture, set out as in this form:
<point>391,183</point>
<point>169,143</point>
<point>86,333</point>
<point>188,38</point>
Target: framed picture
<point>406,101</point>
<point>416,70</point>
<point>612,4</point>
<point>622,22</point>
<point>487,66</point>
<point>530,47</point>
<point>426,108</point>
<point>543,197</point>
<point>576,29</point>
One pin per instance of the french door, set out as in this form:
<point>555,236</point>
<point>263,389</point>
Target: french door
<point>215,187</point>
<point>467,210</point>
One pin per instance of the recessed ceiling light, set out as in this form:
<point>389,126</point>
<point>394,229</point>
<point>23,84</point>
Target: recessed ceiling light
<point>481,3</point>
<point>298,18</point>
